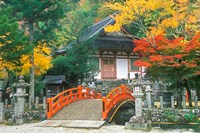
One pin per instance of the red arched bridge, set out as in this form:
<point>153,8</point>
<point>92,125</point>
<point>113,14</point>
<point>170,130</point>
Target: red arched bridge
<point>108,104</point>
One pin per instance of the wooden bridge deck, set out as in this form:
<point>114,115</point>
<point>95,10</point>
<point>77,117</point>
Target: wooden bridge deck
<point>88,109</point>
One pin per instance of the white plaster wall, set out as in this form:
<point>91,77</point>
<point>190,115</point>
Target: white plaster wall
<point>98,74</point>
<point>122,68</point>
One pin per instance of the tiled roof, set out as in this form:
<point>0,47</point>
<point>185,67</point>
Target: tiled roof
<point>59,79</point>
<point>98,28</point>
<point>95,29</point>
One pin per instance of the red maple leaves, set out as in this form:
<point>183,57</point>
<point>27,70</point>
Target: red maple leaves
<point>164,52</point>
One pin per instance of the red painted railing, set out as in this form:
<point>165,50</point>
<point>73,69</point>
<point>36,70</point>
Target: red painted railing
<point>115,96</point>
<point>66,97</point>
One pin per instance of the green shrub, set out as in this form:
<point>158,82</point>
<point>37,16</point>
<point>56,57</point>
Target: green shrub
<point>171,116</point>
<point>190,117</point>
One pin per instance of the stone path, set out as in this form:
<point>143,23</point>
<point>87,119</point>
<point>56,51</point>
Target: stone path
<point>89,109</point>
<point>32,128</point>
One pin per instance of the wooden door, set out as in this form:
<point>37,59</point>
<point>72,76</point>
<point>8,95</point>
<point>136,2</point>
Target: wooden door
<point>108,68</point>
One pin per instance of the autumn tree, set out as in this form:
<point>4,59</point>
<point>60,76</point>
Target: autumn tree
<point>168,28</point>
<point>39,18</point>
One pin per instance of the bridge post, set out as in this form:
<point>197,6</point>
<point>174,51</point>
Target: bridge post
<point>104,114</point>
<point>49,108</point>
<point>49,105</point>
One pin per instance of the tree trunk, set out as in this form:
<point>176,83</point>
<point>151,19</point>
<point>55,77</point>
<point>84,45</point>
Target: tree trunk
<point>179,100</point>
<point>189,97</point>
<point>32,82</point>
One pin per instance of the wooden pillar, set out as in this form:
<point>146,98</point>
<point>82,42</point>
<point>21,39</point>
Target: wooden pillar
<point>101,59</point>
<point>129,69</point>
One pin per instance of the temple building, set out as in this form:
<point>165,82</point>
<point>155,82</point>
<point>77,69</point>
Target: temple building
<point>114,57</point>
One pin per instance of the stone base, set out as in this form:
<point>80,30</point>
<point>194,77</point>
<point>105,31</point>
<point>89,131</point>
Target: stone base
<point>19,121</point>
<point>138,123</point>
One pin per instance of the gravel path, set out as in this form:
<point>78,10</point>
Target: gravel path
<point>31,128</point>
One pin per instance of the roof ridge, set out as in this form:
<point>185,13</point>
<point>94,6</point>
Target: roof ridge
<point>100,29</point>
<point>103,20</point>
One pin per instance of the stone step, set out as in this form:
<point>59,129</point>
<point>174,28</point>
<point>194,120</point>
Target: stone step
<point>71,123</point>
<point>89,109</point>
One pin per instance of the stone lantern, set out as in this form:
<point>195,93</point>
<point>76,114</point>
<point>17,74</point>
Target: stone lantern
<point>138,121</point>
<point>137,93</point>
<point>20,95</point>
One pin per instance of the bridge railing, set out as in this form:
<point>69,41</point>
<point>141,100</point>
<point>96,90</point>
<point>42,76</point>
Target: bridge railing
<point>115,96</point>
<point>66,97</point>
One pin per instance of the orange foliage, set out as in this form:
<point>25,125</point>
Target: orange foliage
<point>193,44</point>
<point>156,58</point>
<point>141,63</point>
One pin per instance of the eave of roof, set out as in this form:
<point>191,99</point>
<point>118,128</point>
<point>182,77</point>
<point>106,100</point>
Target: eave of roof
<point>114,43</point>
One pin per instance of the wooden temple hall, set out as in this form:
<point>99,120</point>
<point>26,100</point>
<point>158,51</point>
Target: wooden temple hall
<point>115,57</point>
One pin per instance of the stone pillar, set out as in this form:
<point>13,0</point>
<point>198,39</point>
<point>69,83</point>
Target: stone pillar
<point>37,103</point>
<point>184,101</point>
<point>137,93</point>
<point>0,96</point>
<point>6,103</point>
<point>172,102</point>
<point>103,93</point>
<point>12,102</point>
<point>1,112</point>
<point>44,105</point>
<point>20,99</point>
<point>161,102</point>
<point>148,95</point>
<point>196,102</point>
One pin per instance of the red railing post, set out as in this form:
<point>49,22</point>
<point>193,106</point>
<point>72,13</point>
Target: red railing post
<point>70,97</point>
<point>49,108</point>
<point>123,88</point>
<point>80,91</point>
<point>61,100</point>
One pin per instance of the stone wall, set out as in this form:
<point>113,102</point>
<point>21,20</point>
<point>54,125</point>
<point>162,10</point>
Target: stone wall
<point>171,115</point>
<point>30,116</point>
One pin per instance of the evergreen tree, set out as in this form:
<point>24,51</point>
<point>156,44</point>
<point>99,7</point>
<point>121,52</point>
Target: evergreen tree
<point>13,43</point>
<point>39,18</point>
<point>75,65</point>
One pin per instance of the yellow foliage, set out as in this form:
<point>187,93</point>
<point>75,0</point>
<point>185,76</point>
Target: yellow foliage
<point>42,60</point>
<point>132,10</point>
<point>170,14</point>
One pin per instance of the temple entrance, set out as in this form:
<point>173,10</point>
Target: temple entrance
<point>108,68</point>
